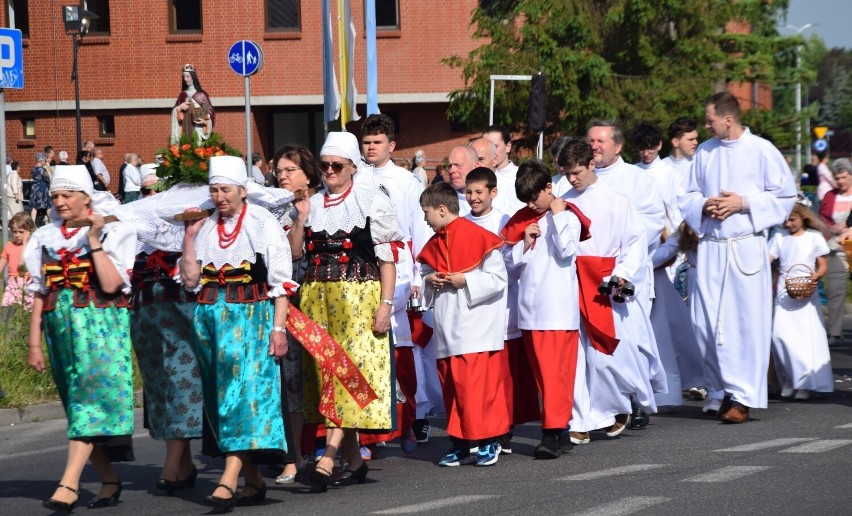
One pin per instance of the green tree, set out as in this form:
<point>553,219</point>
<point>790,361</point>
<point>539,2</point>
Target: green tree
<point>632,60</point>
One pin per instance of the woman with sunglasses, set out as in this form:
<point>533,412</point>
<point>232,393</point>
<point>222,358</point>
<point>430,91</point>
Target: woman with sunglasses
<point>352,242</point>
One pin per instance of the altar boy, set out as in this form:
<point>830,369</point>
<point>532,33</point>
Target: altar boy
<point>465,281</point>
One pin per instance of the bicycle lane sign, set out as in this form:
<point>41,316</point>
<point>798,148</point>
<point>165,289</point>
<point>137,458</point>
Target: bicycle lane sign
<point>245,57</point>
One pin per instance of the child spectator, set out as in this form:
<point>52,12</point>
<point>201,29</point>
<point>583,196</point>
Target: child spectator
<point>21,226</point>
<point>464,278</point>
<point>799,342</point>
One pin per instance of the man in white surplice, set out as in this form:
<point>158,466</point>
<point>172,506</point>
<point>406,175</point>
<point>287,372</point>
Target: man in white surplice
<point>738,187</point>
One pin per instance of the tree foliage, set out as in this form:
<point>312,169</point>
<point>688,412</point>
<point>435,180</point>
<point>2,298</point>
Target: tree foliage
<point>631,60</point>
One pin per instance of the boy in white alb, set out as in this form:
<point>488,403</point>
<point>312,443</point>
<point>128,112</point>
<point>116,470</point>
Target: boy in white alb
<point>544,238</point>
<point>464,280</point>
<point>521,392</point>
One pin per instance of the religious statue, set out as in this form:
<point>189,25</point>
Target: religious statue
<point>193,114</point>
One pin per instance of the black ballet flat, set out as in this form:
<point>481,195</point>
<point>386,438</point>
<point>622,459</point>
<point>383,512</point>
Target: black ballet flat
<point>320,479</point>
<point>256,499</point>
<point>108,501</point>
<point>170,486</point>
<point>348,477</point>
<point>57,506</point>
<point>225,504</point>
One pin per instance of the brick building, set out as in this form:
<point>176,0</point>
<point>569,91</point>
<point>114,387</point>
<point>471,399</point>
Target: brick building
<point>130,73</point>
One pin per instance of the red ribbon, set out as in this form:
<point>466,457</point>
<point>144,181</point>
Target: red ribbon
<point>67,258</point>
<point>395,247</point>
<point>157,260</point>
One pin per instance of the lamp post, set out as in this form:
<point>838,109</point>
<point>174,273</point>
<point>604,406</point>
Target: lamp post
<point>77,22</point>
<point>798,157</point>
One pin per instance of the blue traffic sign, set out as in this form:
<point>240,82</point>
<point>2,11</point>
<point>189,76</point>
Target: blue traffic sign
<point>11,59</point>
<point>820,145</point>
<point>245,57</point>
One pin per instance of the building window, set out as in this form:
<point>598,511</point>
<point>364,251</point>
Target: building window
<point>106,126</point>
<point>387,14</point>
<point>185,16</point>
<point>101,8</point>
<point>283,15</point>
<point>19,12</point>
<point>28,125</point>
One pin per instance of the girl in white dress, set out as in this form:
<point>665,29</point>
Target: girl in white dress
<point>799,343</point>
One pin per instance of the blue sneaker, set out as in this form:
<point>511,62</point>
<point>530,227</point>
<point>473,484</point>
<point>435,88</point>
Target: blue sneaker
<point>408,442</point>
<point>488,454</point>
<point>454,457</point>
<point>366,453</point>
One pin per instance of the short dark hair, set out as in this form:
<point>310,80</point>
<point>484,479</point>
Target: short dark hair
<point>482,175</point>
<point>503,130</point>
<point>617,135</point>
<point>557,146</point>
<point>378,124</point>
<point>725,104</point>
<point>575,153</point>
<point>533,177</point>
<point>15,165</point>
<point>681,126</point>
<point>303,158</point>
<point>440,194</point>
<point>647,135</point>
<point>48,148</point>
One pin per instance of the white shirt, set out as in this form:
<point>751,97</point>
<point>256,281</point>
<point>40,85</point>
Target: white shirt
<point>638,186</point>
<point>100,169</point>
<point>507,198</point>
<point>132,178</point>
<point>668,181</point>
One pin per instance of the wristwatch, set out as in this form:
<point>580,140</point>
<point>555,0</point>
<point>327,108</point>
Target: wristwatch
<point>388,301</point>
<point>279,329</point>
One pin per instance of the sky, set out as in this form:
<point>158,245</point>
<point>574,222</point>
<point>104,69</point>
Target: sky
<point>831,19</point>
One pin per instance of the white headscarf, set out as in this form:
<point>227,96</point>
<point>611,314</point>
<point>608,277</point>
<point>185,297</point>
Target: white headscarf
<point>74,178</point>
<point>229,170</point>
<point>148,171</point>
<point>342,144</point>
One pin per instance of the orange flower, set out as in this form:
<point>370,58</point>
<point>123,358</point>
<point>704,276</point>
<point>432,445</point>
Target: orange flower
<point>185,147</point>
<point>174,149</point>
<point>208,152</point>
<point>187,164</point>
<point>220,153</point>
<point>166,163</point>
<point>203,165</point>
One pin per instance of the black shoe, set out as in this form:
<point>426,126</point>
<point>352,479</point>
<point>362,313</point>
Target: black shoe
<point>565,444</point>
<point>421,430</point>
<point>639,419</point>
<point>170,486</point>
<point>107,501</point>
<point>549,447</point>
<point>320,479</point>
<point>56,505</point>
<point>348,477</point>
<point>505,441</point>
<point>225,504</point>
<point>255,499</point>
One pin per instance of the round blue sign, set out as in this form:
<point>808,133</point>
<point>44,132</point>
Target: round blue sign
<point>245,57</point>
<point>820,145</point>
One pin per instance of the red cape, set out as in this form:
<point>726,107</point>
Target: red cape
<point>459,247</point>
<point>596,308</point>
<point>513,231</point>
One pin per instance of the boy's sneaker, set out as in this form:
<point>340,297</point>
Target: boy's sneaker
<point>505,441</point>
<point>549,447</point>
<point>488,454</point>
<point>408,443</point>
<point>580,437</point>
<point>421,430</point>
<point>454,457</point>
<point>366,453</point>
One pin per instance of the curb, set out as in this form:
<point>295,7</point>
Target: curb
<point>44,412</point>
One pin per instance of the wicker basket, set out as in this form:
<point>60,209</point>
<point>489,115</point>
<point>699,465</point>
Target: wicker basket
<point>800,287</point>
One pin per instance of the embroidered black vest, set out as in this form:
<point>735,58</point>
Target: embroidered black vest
<point>348,256</point>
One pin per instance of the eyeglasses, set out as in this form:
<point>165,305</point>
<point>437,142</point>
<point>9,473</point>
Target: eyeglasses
<point>336,166</point>
<point>286,170</point>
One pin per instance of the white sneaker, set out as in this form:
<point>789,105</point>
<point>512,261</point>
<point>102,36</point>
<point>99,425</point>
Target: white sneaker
<point>787,392</point>
<point>802,395</point>
<point>698,393</point>
<point>712,406</point>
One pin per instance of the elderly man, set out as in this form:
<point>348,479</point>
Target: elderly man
<point>739,186</point>
<point>99,166</point>
<point>463,159</point>
<point>833,211</point>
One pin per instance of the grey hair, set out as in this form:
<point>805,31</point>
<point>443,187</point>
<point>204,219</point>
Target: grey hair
<point>617,135</point>
<point>63,155</point>
<point>40,156</point>
<point>472,158</point>
<point>841,165</point>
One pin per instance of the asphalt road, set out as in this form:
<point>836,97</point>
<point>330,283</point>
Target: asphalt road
<point>793,458</point>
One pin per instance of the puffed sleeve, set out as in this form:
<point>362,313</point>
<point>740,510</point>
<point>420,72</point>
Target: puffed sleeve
<point>384,228</point>
<point>32,259</point>
<point>279,261</point>
<point>119,243</point>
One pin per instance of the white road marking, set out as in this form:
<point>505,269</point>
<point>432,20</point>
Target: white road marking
<point>52,449</point>
<point>435,504</point>
<point>727,474</point>
<point>820,446</point>
<point>621,470</point>
<point>624,506</point>
<point>762,445</point>
<point>848,425</point>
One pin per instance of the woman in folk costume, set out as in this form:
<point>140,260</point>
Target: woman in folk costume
<point>80,279</point>
<point>193,115</point>
<point>238,260</point>
<point>352,242</point>
<point>162,335</point>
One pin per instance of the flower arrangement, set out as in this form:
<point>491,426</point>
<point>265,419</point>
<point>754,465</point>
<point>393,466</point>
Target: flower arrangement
<point>187,160</point>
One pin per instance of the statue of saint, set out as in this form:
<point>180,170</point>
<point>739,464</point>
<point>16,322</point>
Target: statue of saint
<point>193,113</point>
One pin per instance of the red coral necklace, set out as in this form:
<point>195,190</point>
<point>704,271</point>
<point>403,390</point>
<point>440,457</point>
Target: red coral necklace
<point>328,203</point>
<point>226,239</point>
<point>68,234</point>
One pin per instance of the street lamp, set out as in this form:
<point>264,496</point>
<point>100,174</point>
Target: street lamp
<point>77,23</point>
<point>798,157</point>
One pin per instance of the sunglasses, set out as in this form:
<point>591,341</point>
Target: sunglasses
<point>336,166</point>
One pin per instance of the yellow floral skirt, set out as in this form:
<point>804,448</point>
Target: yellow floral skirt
<point>345,309</point>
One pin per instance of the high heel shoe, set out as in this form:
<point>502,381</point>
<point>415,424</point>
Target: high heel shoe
<point>170,486</point>
<point>226,504</point>
<point>56,505</point>
<point>348,477</point>
<point>107,501</point>
<point>320,480</point>
<point>255,499</point>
